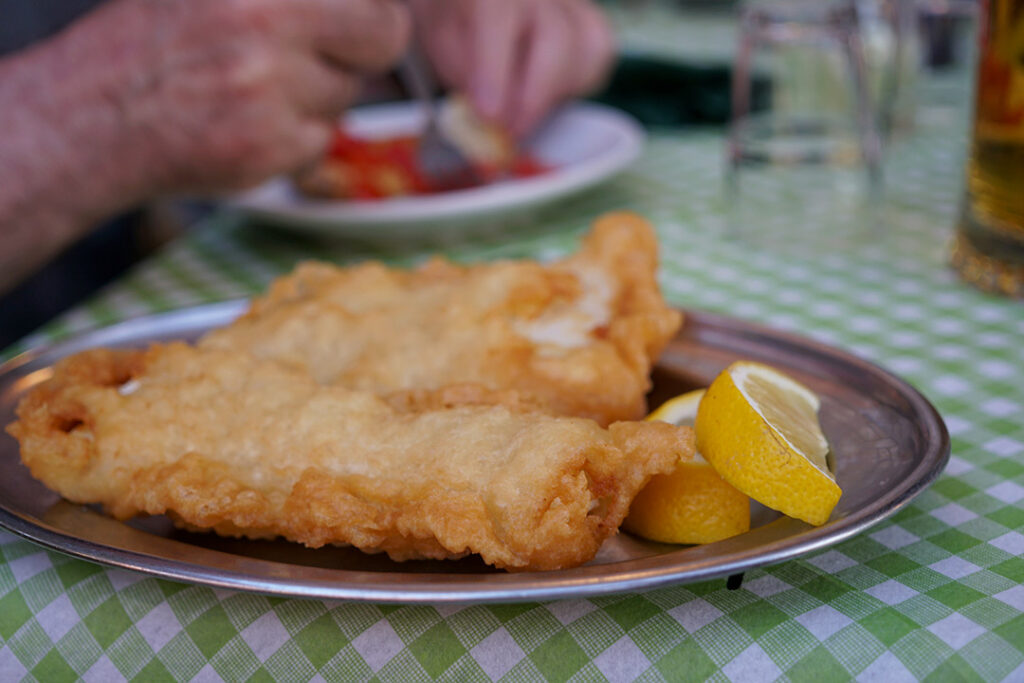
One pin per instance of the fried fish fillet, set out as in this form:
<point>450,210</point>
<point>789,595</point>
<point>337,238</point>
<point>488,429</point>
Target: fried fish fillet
<point>219,440</point>
<point>577,336</point>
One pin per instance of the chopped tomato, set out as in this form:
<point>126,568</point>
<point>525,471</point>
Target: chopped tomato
<point>386,167</point>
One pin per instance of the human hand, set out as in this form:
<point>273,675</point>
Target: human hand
<point>516,59</point>
<point>146,97</point>
<point>221,95</point>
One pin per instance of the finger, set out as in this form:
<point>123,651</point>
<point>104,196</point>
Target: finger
<point>442,32</point>
<point>496,27</point>
<point>597,43</point>
<point>306,143</point>
<point>362,35</point>
<point>296,143</point>
<point>547,70</point>
<point>445,36</point>
<point>312,138</point>
<point>319,88</point>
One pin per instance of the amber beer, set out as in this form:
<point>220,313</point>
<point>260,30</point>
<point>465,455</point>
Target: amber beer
<point>989,247</point>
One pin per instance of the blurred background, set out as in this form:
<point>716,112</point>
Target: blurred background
<point>679,66</point>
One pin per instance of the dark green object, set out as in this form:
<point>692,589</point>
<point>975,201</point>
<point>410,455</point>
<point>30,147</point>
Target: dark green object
<point>662,93</point>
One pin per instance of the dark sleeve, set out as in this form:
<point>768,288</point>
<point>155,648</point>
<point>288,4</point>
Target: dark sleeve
<point>23,22</point>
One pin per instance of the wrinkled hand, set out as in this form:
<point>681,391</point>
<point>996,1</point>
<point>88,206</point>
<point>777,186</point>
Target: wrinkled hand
<point>144,97</point>
<point>223,94</point>
<point>516,59</point>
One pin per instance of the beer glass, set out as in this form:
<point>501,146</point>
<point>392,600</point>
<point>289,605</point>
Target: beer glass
<point>988,249</point>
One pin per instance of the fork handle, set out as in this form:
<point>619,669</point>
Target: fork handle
<point>417,79</point>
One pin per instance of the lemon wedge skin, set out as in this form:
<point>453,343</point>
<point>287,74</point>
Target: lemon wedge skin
<point>759,429</point>
<point>691,504</point>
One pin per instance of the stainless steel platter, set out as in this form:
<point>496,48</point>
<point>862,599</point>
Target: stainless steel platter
<point>888,444</point>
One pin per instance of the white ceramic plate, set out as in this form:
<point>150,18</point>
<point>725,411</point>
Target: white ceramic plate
<point>584,143</point>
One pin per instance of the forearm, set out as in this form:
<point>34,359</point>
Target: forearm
<point>65,153</point>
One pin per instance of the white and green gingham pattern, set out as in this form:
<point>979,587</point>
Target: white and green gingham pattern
<point>936,593</point>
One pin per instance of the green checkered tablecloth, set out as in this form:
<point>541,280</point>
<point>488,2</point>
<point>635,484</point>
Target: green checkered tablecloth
<point>934,593</point>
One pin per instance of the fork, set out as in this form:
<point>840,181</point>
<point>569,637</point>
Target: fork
<point>440,162</point>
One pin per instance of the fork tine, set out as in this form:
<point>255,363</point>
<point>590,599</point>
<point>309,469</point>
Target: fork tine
<point>441,163</point>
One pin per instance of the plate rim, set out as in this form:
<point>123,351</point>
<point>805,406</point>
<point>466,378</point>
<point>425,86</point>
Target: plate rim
<point>426,588</point>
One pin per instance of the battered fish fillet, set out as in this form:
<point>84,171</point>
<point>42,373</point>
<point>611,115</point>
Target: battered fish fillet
<point>578,336</point>
<point>219,440</point>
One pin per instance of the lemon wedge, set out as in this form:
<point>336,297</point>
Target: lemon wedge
<point>691,504</point>
<point>760,431</point>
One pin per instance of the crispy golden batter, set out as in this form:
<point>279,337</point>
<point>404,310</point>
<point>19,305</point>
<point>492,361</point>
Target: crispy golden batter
<point>578,336</point>
<point>220,440</point>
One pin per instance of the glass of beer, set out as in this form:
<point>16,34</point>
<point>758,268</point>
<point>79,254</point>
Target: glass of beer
<point>989,247</point>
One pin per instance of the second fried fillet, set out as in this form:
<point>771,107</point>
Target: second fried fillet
<point>578,336</point>
<point>221,441</point>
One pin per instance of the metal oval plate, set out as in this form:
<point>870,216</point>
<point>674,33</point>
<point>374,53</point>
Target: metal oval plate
<point>888,444</point>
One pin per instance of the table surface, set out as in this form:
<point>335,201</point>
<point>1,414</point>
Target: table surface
<point>935,592</point>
